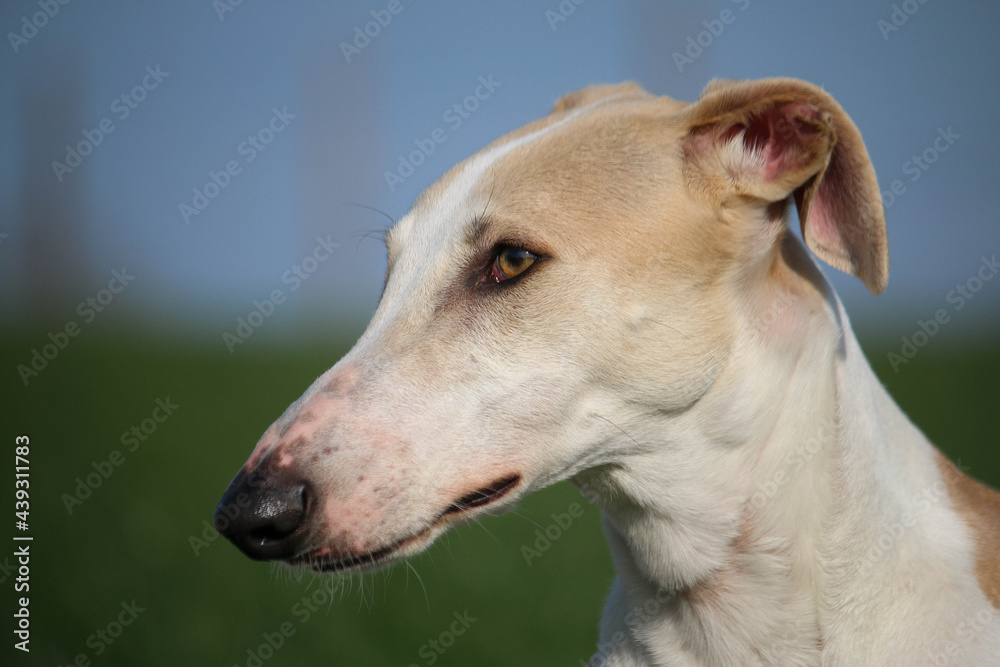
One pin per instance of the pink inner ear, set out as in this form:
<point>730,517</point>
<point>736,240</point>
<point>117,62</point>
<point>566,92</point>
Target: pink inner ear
<point>828,223</point>
<point>780,134</point>
<point>822,228</point>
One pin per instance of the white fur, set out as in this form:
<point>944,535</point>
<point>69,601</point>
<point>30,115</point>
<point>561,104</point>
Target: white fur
<point>807,590</point>
<point>744,495</point>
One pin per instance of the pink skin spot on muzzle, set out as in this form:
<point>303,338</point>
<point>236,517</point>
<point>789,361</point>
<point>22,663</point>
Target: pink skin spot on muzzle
<point>340,380</point>
<point>267,441</point>
<point>328,404</point>
<point>284,458</point>
<point>351,522</point>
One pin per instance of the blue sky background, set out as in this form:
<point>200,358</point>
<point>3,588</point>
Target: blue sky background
<point>119,208</point>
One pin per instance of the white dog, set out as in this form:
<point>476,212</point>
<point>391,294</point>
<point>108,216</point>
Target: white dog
<point>611,295</point>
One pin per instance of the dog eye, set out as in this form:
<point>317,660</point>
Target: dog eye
<point>510,263</point>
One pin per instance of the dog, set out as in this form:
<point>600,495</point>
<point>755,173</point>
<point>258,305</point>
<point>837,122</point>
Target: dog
<point>611,295</point>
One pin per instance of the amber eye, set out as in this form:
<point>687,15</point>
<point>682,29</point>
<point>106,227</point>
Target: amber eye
<point>511,262</point>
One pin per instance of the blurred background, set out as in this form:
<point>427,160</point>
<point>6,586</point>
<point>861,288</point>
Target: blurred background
<point>164,168</point>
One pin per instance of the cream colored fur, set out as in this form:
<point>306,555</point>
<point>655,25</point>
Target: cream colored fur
<point>676,351</point>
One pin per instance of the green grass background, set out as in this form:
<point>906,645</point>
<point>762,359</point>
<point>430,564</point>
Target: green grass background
<point>131,539</point>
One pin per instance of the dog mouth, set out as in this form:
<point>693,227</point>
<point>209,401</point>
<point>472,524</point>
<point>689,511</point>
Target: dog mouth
<point>318,561</point>
<point>484,496</point>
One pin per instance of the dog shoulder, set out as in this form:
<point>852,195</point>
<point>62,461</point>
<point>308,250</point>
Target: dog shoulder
<point>979,507</point>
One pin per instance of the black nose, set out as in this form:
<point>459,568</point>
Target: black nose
<point>263,517</point>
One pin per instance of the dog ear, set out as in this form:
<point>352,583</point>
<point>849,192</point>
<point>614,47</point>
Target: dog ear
<point>769,139</point>
<point>593,93</point>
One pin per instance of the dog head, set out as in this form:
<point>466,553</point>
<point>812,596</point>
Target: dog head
<point>579,278</point>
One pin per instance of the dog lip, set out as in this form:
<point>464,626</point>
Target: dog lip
<point>368,559</point>
<point>484,496</point>
<point>378,557</point>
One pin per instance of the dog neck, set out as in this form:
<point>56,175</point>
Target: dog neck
<point>767,526</point>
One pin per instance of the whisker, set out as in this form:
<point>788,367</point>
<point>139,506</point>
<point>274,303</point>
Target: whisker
<point>493,186</point>
<point>379,234</point>
<point>669,327</point>
<point>527,518</point>
<point>427,599</point>
<point>487,530</point>
<point>391,219</point>
<point>619,428</point>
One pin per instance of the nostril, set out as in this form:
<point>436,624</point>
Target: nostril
<point>280,516</point>
<point>264,518</point>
